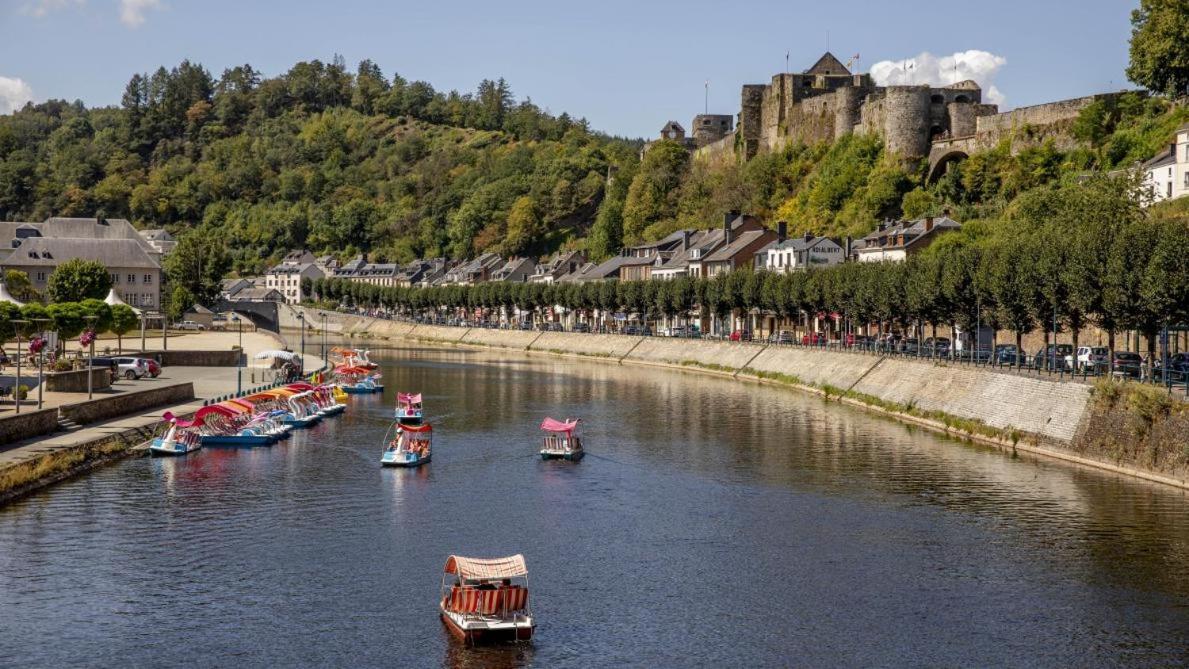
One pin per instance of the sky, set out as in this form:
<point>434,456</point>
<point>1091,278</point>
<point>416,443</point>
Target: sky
<point>626,66</point>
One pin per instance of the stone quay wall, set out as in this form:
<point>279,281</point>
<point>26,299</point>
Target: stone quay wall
<point>125,403</point>
<point>75,381</point>
<point>1049,411</point>
<point>27,424</point>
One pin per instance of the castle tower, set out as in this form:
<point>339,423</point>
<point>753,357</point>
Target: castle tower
<point>709,128</point>
<point>906,120</point>
<point>846,109</point>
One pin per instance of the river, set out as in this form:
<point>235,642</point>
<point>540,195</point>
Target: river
<point>713,523</point>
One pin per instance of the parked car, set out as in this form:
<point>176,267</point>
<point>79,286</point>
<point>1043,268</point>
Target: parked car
<point>908,346</point>
<point>740,335</point>
<point>1089,358</point>
<point>189,325</point>
<point>1053,356</point>
<point>782,337</point>
<point>154,367</point>
<point>110,363</point>
<point>132,368</point>
<point>677,331</point>
<point>1178,366</point>
<point>936,347</point>
<point>581,327</point>
<point>813,339</point>
<point>1127,364</point>
<point>1006,354</point>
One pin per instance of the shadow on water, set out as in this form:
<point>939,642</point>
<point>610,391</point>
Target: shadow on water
<point>713,523</point>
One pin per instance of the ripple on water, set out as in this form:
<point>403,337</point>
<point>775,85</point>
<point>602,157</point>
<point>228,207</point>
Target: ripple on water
<point>713,524</point>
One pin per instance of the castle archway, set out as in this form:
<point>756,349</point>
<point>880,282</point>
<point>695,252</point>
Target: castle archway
<point>939,165</point>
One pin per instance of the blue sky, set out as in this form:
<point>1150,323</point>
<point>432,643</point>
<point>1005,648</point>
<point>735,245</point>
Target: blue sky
<point>625,66</point>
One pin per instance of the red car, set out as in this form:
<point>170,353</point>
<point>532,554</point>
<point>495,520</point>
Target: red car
<point>154,368</point>
<point>740,335</point>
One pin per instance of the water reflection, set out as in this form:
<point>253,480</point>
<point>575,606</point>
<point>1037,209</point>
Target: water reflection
<point>704,507</point>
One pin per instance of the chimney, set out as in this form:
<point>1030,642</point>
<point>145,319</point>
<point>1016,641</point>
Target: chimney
<point>808,236</point>
<point>782,230</point>
<point>848,244</point>
<point>685,240</point>
<point>928,223</point>
<point>727,219</point>
<point>882,226</point>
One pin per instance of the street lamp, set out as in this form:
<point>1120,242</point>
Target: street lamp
<point>41,323</point>
<point>16,389</point>
<point>301,365</point>
<point>91,359</point>
<point>239,366</point>
<point>323,315</point>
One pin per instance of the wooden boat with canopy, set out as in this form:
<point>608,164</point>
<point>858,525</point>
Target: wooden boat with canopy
<point>228,424</point>
<point>486,600</point>
<point>408,409</point>
<point>410,446</point>
<point>562,441</point>
<point>353,357</point>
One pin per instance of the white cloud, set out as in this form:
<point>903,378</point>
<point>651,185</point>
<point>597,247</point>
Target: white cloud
<point>14,93</point>
<point>41,8</point>
<point>132,12</point>
<point>926,68</point>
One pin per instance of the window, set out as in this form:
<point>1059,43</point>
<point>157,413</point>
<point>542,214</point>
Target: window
<point>41,276</point>
<point>131,278</point>
<point>115,278</point>
<point>133,299</point>
<point>148,278</point>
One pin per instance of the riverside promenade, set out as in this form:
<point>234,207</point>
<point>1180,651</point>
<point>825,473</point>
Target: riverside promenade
<point>208,383</point>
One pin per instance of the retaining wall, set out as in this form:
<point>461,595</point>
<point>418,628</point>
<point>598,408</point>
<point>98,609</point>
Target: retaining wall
<point>1050,410</point>
<point>1046,408</point>
<point>76,381</point>
<point>126,403</point>
<point>26,424</point>
<point>228,358</point>
<point>596,345</point>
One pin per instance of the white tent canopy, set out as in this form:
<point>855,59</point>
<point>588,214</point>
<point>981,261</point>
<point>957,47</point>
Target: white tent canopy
<point>6,296</point>
<point>112,300</point>
<point>284,355</point>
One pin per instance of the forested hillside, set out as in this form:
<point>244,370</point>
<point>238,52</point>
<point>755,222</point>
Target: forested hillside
<point>318,157</point>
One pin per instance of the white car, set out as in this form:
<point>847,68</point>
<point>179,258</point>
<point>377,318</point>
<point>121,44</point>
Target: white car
<point>132,368</point>
<point>189,325</point>
<point>1089,357</point>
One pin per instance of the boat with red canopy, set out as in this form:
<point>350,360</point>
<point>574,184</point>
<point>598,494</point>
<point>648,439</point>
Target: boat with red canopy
<point>486,600</point>
<point>358,380</point>
<point>410,446</point>
<point>561,441</point>
<point>408,408</point>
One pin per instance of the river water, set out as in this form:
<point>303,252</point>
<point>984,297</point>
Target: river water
<point>713,523</point>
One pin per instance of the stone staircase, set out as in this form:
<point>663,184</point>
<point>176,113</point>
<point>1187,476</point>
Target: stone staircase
<point>67,425</point>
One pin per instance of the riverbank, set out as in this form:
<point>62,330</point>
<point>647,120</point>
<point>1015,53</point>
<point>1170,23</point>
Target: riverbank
<point>1016,413</point>
<point>63,454</point>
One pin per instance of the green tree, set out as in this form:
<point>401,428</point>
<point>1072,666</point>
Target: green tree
<point>20,287</point>
<point>68,320</point>
<point>652,196</point>
<point>123,320</point>
<point>524,226</point>
<point>198,263</point>
<point>180,299</point>
<point>100,311</point>
<point>77,279</point>
<point>1159,55</point>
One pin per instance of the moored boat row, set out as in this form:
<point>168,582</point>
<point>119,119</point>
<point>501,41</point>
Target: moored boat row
<point>259,419</point>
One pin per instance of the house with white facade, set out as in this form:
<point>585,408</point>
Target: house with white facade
<point>799,253</point>
<point>1167,173</point>
<point>895,241</point>
<point>286,277</point>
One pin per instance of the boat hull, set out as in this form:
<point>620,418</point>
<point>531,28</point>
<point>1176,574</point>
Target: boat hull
<point>406,463</point>
<point>562,455</point>
<point>363,390</point>
<point>481,631</point>
<point>303,422</point>
<point>334,410</point>
<point>160,448</point>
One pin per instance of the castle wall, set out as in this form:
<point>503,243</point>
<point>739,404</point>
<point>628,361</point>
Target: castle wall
<point>811,121</point>
<point>847,102</point>
<point>962,119</point>
<point>906,120</point>
<point>721,152</point>
<point>750,118</point>
<point>1037,115</point>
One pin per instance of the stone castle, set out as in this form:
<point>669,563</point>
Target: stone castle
<point>827,101</point>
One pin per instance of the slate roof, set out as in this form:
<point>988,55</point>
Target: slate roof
<point>1163,159</point>
<point>52,251</point>
<point>737,245</point>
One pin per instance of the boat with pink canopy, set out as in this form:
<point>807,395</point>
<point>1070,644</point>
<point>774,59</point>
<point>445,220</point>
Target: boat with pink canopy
<point>408,409</point>
<point>562,440</point>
